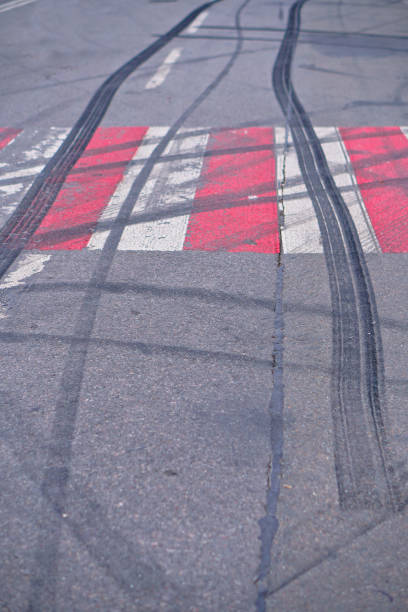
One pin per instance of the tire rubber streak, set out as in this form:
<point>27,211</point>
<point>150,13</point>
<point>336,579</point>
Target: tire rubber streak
<point>152,138</point>
<point>364,467</point>
<point>58,465</point>
<point>299,228</point>
<point>344,177</point>
<point>87,189</point>
<point>25,220</point>
<point>379,156</point>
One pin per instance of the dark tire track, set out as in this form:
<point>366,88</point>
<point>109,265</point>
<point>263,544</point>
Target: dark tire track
<point>363,460</point>
<point>57,468</point>
<point>39,198</point>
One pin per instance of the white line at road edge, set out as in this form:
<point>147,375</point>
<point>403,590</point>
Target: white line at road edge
<point>192,29</point>
<point>159,77</point>
<point>14,4</point>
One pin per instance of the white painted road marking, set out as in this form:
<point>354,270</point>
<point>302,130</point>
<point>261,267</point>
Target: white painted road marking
<point>143,153</point>
<point>162,72</point>
<point>26,266</point>
<point>161,214</point>
<point>344,177</point>
<point>192,29</point>
<point>24,158</point>
<point>14,4</point>
<point>300,230</point>
<point>172,185</point>
<point>404,129</point>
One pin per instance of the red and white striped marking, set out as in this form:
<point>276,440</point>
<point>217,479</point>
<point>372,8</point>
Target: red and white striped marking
<point>211,190</point>
<point>345,179</point>
<point>379,156</point>
<point>299,227</point>
<point>123,188</point>
<point>88,189</point>
<point>167,197</point>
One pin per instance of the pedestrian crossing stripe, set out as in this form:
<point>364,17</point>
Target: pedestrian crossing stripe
<point>236,190</point>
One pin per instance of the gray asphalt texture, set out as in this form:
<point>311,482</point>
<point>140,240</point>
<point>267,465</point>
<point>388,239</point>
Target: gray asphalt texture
<point>171,445</point>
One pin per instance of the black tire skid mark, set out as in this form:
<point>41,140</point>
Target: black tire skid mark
<point>39,198</point>
<point>363,460</point>
<point>57,468</point>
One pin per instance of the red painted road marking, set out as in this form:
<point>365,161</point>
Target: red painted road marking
<point>235,208</point>
<point>7,135</point>
<point>379,156</point>
<point>88,189</point>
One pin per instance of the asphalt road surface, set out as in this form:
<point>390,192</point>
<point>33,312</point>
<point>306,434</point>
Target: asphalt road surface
<point>204,263</point>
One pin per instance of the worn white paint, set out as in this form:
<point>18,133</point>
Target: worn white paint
<point>26,156</point>
<point>26,266</point>
<point>48,145</point>
<point>14,4</point>
<point>168,195</point>
<point>142,155</point>
<point>403,128</point>
<point>163,70</point>
<point>344,177</point>
<point>197,23</point>
<point>299,227</point>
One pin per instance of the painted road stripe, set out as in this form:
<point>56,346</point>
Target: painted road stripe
<point>143,153</point>
<point>235,207</point>
<point>88,189</point>
<point>197,23</point>
<point>344,177</point>
<point>13,5</point>
<point>25,267</point>
<point>299,227</point>
<point>7,135</point>
<point>21,161</point>
<point>404,130</point>
<point>167,197</point>
<point>227,202</point>
<point>379,156</point>
<point>162,72</point>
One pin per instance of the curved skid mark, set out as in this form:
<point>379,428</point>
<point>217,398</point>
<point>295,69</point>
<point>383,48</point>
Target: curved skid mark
<point>41,195</point>
<point>364,464</point>
<point>58,465</point>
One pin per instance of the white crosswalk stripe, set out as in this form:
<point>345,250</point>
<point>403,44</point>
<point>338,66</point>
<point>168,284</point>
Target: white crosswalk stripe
<point>299,227</point>
<point>161,214</point>
<point>171,187</point>
<point>143,153</point>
